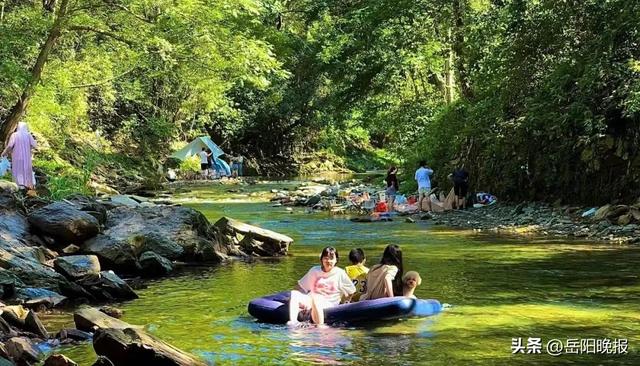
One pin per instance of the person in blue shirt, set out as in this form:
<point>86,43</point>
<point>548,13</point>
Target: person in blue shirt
<point>424,184</point>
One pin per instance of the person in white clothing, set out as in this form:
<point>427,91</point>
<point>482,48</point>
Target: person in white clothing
<point>424,184</point>
<point>322,287</point>
<point>204,162</point>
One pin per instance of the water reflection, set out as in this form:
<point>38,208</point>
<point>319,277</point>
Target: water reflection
<point>320,345</point>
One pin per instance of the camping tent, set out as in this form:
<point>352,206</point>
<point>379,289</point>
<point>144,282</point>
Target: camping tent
<point>221,167</point>
<point>196,146</point>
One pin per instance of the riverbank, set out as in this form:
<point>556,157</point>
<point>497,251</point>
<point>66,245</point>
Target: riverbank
<point>617,223</point>
<point>609,223</point>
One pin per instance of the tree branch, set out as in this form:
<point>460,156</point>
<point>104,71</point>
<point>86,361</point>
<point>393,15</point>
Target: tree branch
<point>107,33</point>
<point>126,10</point>
<point>102,82</point>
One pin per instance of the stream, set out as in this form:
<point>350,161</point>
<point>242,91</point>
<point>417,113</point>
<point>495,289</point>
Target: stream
<point>500,289</point>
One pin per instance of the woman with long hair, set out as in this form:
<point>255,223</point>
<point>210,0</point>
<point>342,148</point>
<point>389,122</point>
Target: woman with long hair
<point>385,279</point>
<point>392,187</point>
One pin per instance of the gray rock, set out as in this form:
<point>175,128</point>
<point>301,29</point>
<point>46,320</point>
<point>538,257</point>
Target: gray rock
<point>74,334</point>
<point>116,251</point>
<point>34,296</point>
<point>275,243</point>
<point>89,319</point>
<point>33,324</point>
<point>21,349</point>
<point>59,360</point>
<point>34,274</point>
<point>8,187</point>
<point>15,237</point>
<point>77,266</point>
<point>65,222</point>
<point>124,201</point>
<point>124,346</point>
<point>71,249</point>
<point>154,265</point>
<point>112,311</point>
<point>173,232</point>
<point>106,285</point>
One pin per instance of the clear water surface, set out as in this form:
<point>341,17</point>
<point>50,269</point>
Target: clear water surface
<point>500,288</point>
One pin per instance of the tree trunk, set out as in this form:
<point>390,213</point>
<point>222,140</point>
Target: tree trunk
<point>36,73</point>
<point>458,46</point>
<point>448,70</point>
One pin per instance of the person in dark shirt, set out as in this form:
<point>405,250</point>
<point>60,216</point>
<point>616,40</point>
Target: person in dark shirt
<point>460,179</point>
<point>392,187</point>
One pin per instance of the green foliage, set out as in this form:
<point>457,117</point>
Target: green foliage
<point>535,98</point>
<point>189,166</point>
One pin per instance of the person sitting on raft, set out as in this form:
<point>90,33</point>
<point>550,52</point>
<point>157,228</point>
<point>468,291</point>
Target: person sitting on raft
<point>385,279</point>
<point>322,287</point>
<point>410,281</point>
<point>357,272</point>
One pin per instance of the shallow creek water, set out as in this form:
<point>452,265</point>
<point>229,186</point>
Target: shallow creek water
<point>500,288</point>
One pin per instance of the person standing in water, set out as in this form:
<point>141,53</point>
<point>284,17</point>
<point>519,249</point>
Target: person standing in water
<point>20,145</point>
<point>392,187</point>
<point>424,184</point>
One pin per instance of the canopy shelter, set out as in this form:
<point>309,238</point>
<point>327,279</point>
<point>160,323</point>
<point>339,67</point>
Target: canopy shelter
<point>196,146</point>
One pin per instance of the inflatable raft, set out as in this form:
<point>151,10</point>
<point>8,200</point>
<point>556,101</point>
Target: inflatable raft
<point>275,309</point>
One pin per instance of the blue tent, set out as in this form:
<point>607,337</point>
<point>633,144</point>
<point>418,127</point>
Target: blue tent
<point>196,146</point>
<point>221,167</point>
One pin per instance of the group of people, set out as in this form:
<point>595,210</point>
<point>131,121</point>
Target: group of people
<point>327,285</point>
<point>460,178</point>
<point>20,145</point>
<point>210,167</point>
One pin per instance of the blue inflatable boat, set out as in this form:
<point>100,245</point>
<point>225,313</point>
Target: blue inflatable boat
<point>275,309</point>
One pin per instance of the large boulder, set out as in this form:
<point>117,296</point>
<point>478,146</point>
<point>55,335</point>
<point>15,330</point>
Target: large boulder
<point>77,266</point>
<point>258,241</point>
<point>23,351</point>
<point>174,232</point>
<point>15,237</point>
<point>115,250</point>
<point>34,274</point>
<point>134,347</point>
<point>65,221</point>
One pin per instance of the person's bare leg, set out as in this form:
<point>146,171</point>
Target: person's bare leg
<point>317,310</point>
<point>294,306</point>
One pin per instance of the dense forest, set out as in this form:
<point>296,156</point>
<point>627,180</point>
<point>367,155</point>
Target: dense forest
<point>539,99</point>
